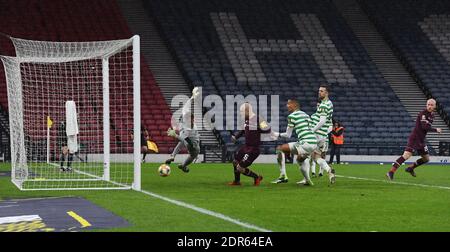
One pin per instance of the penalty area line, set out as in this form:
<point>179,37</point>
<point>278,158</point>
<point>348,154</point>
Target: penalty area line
<point>394,182</point>
<point>207,212</point>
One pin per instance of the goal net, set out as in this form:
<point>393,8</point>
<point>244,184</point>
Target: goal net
<point>74,108</point>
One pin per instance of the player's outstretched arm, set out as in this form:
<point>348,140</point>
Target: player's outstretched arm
<point>286,134</point>
<point>182,136</point>
<point>187,106</point>
<point>426,125</point>
<point>195,93</point>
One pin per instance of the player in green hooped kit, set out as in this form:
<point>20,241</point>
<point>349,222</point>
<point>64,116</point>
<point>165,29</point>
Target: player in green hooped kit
<point>321,124</point>
<point>303,148</point>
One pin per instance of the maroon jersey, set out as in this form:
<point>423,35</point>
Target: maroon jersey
<point>423,125</point>
<point>252,131</point>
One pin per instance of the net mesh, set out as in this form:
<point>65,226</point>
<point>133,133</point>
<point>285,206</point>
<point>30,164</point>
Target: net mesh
<point>40,80</point>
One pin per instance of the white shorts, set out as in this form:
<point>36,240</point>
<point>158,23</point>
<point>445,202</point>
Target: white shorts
<point>322,144</point>
<point>301,148</point>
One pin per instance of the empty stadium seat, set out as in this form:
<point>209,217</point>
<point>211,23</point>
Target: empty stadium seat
<point>419,32</point>
<point>83,20</point>
<point>258,48</point>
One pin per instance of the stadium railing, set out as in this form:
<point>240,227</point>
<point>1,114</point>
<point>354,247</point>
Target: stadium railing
<point>444,148</point>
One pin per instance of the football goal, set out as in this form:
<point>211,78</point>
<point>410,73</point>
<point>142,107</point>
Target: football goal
<point>74,114</point>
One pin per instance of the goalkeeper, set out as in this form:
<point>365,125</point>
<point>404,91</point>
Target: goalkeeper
<point>188,135</point>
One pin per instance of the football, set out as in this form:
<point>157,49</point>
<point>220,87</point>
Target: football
<point>164,170</point>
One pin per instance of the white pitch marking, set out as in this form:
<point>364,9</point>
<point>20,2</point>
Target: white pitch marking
<point>395,182</point>
<point>202,210</point>
<point>207,212</point>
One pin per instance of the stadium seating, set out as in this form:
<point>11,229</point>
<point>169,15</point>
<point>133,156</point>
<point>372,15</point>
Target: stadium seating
<point>67,20</point>
<point>286,48</point>
<point>419,32</point>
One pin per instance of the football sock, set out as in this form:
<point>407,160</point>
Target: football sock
<point>282,163</point>
<point>188,161</point>
<point>250,173</point>
<point>312,164</point>
<point>143,157</point>
<point>62,159</point>
<point>397,163</point>
<point>304,168</point>
<point>418,162</point>
<point>323,164</point>
<point>70,158</point>
<point>237,174</point>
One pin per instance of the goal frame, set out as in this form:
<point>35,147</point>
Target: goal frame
<point>17,106</point>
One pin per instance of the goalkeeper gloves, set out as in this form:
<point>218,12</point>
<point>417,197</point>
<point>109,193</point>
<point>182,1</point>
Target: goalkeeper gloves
<point>172,133</point>
<point>195,92</point>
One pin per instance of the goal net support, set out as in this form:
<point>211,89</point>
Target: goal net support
<point>74,113</point>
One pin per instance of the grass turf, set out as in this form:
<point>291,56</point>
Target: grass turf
<point>350,205</point>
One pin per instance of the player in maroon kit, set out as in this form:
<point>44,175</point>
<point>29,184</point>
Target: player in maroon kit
<point>416,141</point>
<point>253,127</point>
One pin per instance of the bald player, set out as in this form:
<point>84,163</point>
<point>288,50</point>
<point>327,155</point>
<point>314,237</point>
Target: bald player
<point>416,141</point>
<point>253,128</point>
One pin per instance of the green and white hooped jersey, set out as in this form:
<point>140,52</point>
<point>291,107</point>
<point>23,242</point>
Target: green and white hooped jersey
<point>299,120</point>
<point>325,108</point>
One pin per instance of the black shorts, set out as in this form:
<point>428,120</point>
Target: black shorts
<point>246,155</point>
<point>143,142</point>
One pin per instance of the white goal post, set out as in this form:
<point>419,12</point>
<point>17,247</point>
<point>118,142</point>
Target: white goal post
<point>74,114</point>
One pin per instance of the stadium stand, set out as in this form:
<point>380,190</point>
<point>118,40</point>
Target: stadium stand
<point>421,39</point>
<point>71,21</point>
<point>264,47</point>
<point>286,48</point>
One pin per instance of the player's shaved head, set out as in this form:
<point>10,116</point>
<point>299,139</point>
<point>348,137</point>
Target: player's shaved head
<point>431,105</point>
<point>246,110</point>
<point>293,105</point>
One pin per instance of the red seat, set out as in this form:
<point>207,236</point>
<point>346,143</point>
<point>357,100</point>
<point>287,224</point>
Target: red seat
<point>67,20</point>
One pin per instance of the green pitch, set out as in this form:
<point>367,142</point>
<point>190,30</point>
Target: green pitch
<point>361,200</point>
